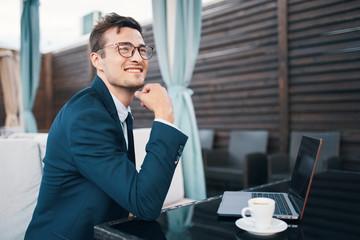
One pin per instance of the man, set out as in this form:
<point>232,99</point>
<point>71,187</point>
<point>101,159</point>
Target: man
<point>89,174</point>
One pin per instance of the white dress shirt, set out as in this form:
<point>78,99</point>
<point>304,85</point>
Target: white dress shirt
<point>123,112</point>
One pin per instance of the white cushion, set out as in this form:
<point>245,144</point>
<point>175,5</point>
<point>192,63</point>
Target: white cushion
<point>5,132</point>
<point>20,177</point>
<point>40,138</point>
<point>176,191</point>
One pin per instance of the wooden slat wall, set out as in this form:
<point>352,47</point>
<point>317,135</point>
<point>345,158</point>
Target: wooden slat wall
<point>43,103</point>
<point>71,73</point>
<point>63,74</point>
<point>324,69</point>
<point>235,79</point>
<point>237,74</point>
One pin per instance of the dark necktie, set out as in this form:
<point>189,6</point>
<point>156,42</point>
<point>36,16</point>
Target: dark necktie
<point>129,125</point>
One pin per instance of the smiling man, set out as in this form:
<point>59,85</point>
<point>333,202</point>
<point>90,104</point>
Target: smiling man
<point>89,174</point>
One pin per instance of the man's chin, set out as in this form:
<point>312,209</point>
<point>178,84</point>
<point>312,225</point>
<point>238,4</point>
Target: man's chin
<point>135,87</point>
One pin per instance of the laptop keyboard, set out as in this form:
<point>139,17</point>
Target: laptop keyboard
<point>281,206</point>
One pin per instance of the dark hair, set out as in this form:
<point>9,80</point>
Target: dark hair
<point>107,22</point>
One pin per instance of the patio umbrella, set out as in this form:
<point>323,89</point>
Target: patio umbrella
<point>10,81</point>
<point>177,32</point>
<point>30,60</point>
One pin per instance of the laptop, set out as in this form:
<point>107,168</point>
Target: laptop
<point>234,201</point>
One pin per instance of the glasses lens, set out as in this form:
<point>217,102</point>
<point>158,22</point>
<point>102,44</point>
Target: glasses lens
<point>145,52</point>
<point>126,49</point>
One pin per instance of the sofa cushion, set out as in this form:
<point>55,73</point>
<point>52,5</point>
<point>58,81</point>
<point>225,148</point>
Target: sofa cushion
<point>20,177</point>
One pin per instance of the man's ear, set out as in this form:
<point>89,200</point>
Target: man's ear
<point>95,60</point>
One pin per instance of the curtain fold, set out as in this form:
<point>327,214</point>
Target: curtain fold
<point>177,32</point>
<point>30,60</point>
<point>177,74</point>
<point>9,67</point>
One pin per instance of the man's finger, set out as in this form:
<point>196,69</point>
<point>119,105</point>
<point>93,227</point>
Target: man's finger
<point>138,94</point>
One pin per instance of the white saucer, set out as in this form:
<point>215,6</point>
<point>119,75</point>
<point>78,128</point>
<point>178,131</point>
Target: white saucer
<point>247,224</point>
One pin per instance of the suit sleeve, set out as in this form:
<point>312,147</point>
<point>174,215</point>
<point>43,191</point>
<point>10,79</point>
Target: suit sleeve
<point>101,158</point>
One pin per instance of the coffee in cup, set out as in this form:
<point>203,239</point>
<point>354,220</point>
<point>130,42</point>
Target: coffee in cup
<point>261,210</point>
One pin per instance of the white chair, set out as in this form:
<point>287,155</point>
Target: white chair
<point>176,193</point>
<point>20,177</point>
<point>40,138</point>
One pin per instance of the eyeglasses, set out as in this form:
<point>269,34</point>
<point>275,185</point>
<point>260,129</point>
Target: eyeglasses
<point>127,50</point>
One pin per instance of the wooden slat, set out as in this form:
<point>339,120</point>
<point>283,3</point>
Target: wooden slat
<point>311,13</point>
<point>325,59</point>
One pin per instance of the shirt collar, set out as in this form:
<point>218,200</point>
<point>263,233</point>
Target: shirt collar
<point>121,109</point>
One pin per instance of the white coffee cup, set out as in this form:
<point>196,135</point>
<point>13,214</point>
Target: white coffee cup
<point>261,210</point>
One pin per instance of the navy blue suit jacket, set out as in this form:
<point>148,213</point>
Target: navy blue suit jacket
<point>88,177</point>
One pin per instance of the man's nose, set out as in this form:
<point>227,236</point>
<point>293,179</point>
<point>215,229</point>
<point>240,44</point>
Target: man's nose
<point>136,56</point>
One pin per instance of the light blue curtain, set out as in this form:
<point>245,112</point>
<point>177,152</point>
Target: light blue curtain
<point>30,60</point>
<point>177,79</point>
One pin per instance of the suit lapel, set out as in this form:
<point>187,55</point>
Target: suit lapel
<point>105,96</point>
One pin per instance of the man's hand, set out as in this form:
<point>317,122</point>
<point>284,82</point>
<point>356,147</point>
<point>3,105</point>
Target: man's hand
<point>155,98</point>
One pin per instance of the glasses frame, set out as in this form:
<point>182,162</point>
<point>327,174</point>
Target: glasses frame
<point>133,52</point>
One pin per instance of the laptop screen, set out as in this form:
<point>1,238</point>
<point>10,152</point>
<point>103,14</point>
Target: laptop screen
<point>303,171</point>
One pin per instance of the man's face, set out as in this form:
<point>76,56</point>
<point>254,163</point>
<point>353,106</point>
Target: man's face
<point>118,71</point>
